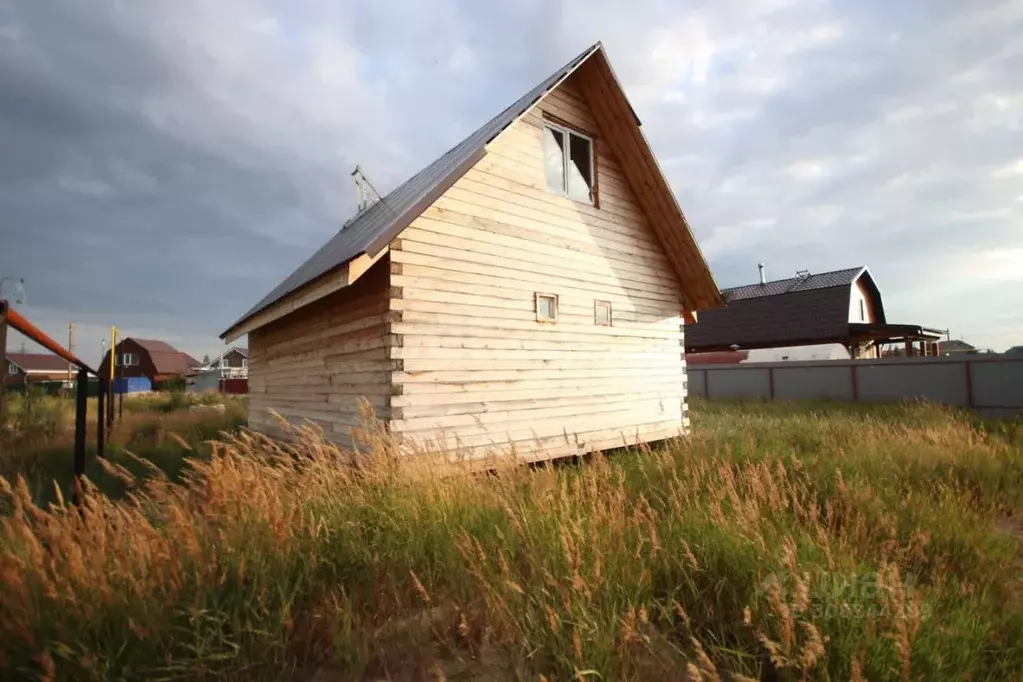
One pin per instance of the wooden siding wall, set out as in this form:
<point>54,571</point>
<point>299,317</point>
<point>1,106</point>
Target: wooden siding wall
<point>314,364</point>
<point>473,363</point>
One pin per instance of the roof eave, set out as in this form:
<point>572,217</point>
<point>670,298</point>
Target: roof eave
<point>705,294</point>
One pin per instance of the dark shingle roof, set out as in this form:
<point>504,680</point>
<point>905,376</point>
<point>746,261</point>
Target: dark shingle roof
<point>795,311</point>
<point>822,280</point>
<point>371,230</point>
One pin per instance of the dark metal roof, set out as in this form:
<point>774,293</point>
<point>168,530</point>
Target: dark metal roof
<point>371,230</point>
<point>38,362</point>
<point>788,312</point>
<point>786,319</point>
<point>822,280</point>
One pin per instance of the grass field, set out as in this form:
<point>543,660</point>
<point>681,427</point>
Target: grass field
<point>38,439</point>
<point>781,542</point>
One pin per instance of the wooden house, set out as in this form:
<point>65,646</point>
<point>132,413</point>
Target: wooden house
<point>525,292</point>
<point>157,361</point>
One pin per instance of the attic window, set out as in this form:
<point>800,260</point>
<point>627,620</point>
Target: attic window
<point>130,360</point>
<point>863,312</point>
<point>568,158</point>
<point>546,308</point>
<point>12,368</point>
<point>602,313</point>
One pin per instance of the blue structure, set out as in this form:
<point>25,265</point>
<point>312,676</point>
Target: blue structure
<point>132,385</point>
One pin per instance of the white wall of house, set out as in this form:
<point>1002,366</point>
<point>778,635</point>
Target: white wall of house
<point>827,351</point>
<point>859,304</point>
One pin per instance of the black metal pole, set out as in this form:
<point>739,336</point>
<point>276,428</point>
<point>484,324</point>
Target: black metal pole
<point>121,388</point>
<point>81,407</point>
<point>110,403</point>
<point>3,362</point>
<point>101,416</point>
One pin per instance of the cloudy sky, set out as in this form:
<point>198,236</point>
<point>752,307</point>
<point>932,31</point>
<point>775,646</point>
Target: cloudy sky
<point>164,164</point>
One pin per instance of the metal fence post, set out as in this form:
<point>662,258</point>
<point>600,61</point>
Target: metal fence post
<point>81,424</point>
<point>3,363</point>
<point>101,416</point>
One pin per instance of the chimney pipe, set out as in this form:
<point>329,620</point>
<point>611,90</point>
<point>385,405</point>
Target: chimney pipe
<point>763,279</point>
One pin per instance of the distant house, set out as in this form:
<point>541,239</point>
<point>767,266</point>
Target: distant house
<point>231,364</point>
<point>955,346</point>
<point>226,373</point>
<point>843,307</point>
<point>157,361</point>
<point>525,292</point>
<point>34,368</point>
<point>1015,350</point>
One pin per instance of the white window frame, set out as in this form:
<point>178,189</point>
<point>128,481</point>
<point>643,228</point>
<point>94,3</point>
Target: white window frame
<point>536,307</point>
<point>596,320</point>
<point>12,369</point>
<point>129,360</point>
<point>566,153</point>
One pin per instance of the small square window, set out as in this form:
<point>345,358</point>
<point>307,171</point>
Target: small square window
<point>546,307</point>
<point>11,368</point>
<point>130,360</point>
<point>602,313</point>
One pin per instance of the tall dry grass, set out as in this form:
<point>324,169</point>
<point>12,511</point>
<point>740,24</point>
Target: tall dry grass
<point>39,443</point>
<point>780,542</point>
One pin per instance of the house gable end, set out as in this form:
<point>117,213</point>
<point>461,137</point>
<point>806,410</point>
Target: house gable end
<point>385,220</point>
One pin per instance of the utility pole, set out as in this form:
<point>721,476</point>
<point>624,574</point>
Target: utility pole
<point>110,382</point>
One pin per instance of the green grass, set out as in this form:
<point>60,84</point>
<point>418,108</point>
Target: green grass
<point>39,441</point>
<point>782,541</point>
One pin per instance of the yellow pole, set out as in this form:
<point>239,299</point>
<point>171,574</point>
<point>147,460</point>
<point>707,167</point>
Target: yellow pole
<point>113,350</point>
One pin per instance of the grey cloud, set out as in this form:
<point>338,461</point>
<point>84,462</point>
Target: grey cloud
<point>174,161</point>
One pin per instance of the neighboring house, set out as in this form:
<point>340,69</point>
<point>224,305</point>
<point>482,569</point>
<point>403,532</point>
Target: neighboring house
<point>34,368</point>
<point>526,291</point>
<point>955,346</point>
<point>232,364</point>
<point>1015,350</point>
<point>226,373</point>
<point>843,307</point>
<point>155,360</point>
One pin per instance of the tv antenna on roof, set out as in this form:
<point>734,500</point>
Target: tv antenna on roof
<point>367,195</point>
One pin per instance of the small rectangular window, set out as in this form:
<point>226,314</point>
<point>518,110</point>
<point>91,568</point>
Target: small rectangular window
<point>602,313</point>
<point>546,307</point>
<point>568,158</point>
<point>11,369</point>
<point>130,360</point>
<point>863,312</point>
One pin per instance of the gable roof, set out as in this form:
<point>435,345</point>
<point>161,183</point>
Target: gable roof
<point>793,311</point>
<point>822,280</point>
<point>166,358</point>
<point>370,231</point>
<point>38,362</point>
